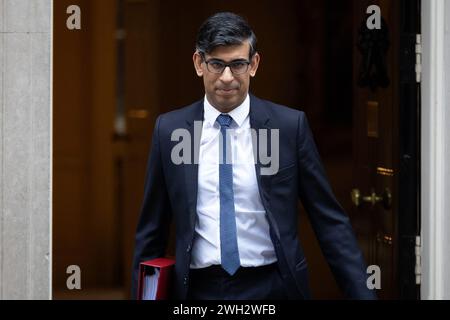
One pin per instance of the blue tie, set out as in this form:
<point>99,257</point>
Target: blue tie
<point>228,241</point>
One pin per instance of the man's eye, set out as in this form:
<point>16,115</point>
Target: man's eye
<point>216,65</point>
<point>239,64</point>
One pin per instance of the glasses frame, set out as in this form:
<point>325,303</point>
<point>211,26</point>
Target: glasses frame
<point>225,64</point>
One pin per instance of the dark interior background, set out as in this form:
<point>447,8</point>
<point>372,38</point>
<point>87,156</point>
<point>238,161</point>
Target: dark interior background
<point>131,61</point>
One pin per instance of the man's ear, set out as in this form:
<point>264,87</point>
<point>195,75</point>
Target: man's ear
<point>197,58</point>
<point>254,64</point>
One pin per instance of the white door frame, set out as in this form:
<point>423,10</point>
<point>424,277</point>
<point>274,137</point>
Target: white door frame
<point>435,150</point>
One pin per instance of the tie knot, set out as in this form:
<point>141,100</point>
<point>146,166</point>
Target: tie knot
<point>224,120</point>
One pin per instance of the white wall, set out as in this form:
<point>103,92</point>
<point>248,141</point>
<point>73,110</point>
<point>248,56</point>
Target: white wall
<point>435,144</point>
<point>25,149</point>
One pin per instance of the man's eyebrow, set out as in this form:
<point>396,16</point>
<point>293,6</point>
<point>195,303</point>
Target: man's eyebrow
<point>235,60</point>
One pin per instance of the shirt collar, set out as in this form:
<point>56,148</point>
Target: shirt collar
<point>239,114</point>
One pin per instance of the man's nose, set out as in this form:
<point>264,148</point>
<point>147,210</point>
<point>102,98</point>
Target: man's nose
<point>227,75</point>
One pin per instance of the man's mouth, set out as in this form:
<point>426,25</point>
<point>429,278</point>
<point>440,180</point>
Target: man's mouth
<point>227,90</point>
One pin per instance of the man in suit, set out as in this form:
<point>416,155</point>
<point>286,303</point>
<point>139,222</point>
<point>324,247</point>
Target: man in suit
<point>235,212</point>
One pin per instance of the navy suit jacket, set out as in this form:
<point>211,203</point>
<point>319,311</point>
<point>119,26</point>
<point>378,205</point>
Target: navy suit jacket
<point>171,194</point>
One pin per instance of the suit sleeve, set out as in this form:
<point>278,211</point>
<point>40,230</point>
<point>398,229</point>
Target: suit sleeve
<point>155,216</point>
<point>328,219</point>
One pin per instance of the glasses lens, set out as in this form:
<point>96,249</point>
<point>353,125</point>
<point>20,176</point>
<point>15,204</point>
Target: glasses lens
<point>239,67</point>
<point>215,66</point>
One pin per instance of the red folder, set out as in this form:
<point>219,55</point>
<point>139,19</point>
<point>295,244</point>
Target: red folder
<point>155,279</point>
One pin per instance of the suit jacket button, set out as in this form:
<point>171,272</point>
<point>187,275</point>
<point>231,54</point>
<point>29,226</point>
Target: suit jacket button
<point>185,280</point>
<point>188,248</point>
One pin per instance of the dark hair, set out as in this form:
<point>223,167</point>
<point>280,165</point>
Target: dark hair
<point>224,29</point>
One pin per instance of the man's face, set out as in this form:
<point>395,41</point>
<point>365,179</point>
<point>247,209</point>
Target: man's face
<point>226,90</point>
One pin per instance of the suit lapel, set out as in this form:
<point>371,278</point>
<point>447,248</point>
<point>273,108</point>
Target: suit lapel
<point>259,120</point>
<point>194,126</point>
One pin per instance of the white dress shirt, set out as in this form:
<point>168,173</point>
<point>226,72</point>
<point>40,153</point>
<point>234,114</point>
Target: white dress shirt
<point>254,243</point>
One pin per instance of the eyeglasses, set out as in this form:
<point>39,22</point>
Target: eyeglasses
<point>217,66</point>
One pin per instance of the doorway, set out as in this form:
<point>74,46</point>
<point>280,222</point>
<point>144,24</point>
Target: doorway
<point>132,61</point>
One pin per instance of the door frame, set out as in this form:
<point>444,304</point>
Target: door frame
<point>435,149</point>
<point>408,155</point>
